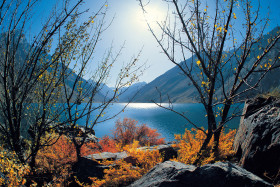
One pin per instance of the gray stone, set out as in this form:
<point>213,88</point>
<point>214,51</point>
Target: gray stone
<point>220,174</point>
<point>257,142</point>
<point>107,156</point>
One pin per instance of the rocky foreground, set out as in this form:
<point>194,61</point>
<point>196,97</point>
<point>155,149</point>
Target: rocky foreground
<point>220,174</point>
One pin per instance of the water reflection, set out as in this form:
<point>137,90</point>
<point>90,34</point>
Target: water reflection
<point>142,105</point>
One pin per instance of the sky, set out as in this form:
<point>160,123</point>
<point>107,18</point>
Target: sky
<point>129,27</point>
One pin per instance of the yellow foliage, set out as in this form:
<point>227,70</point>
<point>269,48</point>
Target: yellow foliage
<point>11,169</point>
<point>190,143</point>
<point>145,159</point>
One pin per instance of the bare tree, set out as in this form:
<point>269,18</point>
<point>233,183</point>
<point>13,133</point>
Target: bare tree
<point>23,67</point>
<point>230,57</point>
<point>42,92</point>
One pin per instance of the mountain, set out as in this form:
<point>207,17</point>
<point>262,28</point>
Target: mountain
<point>128,93</point>
<point>20,56</point>
<point>176,87</point>
<point>172,83</point>
<point>99,96</point>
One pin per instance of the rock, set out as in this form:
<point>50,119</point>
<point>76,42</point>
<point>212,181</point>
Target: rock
<point>166,150</point>
<point>107,156</point>
<point>220,174</point>
<point>88,168</point>
<point>257,142</point>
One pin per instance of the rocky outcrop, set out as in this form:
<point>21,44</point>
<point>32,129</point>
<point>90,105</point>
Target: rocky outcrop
<point>220,174</point>
<point>257,141</point>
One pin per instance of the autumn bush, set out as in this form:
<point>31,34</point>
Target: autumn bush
<point>12,171</point>
<point>190,143</point>
<point>106,144</point>
<point>128,130</point>
<point>128,136</point>
<point>54,163</point>
<point>124,133</point>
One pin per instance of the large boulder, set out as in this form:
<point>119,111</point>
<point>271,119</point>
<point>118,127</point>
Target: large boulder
<point>175,174</point>
<point>257,142</point>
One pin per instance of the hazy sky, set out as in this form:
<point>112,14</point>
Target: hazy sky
<point>129,26</point>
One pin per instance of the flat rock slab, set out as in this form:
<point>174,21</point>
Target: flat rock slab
<point>220,174</point>
<point>107,156</point>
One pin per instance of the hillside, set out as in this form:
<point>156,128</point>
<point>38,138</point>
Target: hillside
<point>176,86</point>
<point>128,93</point>
<point>20,57</point>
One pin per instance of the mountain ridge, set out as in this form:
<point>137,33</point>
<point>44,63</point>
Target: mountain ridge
<point>175,87</point>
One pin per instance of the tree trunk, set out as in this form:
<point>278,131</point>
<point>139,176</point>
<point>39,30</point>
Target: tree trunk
<point>203,147</point>
<point>18,149</point>
<point>78,153</point>
<point>211,128</point>
<point>217,135</point>
<point>218,131</point>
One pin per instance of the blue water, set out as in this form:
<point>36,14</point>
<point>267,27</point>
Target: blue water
<point>166,122</point>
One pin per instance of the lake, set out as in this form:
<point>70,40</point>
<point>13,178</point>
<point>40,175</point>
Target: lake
<point>166,122</point>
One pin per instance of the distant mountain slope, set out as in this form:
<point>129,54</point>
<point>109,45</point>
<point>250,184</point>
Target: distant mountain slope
<point>22,52</point>
<point>128,93</point>
<point>172,84</point>
<point>99,97</point>
<point>178,88</point>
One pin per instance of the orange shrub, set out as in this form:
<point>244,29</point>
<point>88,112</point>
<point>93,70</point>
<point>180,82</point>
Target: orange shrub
<point>106,144</point>
<point>128,130</point>
<point>190,143</point>
<point>56,161</point>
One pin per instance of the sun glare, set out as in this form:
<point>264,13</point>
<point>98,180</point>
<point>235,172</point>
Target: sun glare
<point>142,105</point>
<point>153,13</point>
